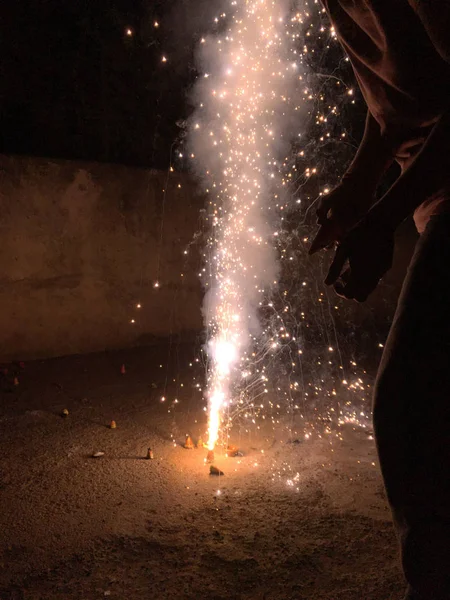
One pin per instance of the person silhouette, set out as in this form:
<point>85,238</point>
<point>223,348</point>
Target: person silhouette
<point>400,53</point>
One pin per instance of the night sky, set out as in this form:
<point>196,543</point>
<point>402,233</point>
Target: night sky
<point>75,84</point>
<point>86,80</point>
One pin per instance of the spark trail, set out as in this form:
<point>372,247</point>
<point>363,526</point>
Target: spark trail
<point>240,134</point>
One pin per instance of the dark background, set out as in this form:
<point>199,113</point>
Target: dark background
<point>74,85</point>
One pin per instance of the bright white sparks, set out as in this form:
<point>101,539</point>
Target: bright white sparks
<point>238,139</point>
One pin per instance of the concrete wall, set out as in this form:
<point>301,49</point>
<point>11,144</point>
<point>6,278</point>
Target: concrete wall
<point>80,248</point>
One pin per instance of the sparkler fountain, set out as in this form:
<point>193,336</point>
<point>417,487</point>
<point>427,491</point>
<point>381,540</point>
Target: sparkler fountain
<point>239,137</point>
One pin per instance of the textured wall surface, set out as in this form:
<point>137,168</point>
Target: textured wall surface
<point>82,245</point>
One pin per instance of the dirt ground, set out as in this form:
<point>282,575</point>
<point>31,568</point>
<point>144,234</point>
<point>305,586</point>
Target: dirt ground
<point>287,521</point>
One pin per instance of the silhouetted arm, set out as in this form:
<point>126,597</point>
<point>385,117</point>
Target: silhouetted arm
<point>427,175</point>
<point>374,156</point>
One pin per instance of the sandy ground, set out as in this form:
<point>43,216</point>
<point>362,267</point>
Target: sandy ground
<point>303,521</point>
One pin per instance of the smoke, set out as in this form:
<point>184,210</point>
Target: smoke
<point>240,134</point>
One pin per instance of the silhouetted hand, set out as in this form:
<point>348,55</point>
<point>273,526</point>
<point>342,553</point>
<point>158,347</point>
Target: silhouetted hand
<point>339,211</point>
<point>367,251</point>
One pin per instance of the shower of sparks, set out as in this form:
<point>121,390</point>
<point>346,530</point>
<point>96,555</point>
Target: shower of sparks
<point>242,125</point>
<point>268,136</point>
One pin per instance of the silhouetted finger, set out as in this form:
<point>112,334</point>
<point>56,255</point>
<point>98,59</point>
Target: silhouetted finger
<point>365,289</point>
<point>344,290</point>
<point>340,286</point>
<point>346,275</point>
<point>337,265</point>
<point>356,289</point>
<point>322,213</point>
<point>324,237</point>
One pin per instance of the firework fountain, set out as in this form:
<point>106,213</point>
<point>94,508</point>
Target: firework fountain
<point>240,134</point>
<point>267,137</point>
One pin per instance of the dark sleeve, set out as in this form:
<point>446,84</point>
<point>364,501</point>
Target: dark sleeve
<point>414,187</point>
<point>435,17</point>
<point>375,154</point>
